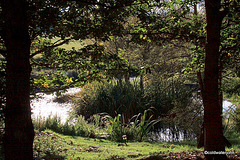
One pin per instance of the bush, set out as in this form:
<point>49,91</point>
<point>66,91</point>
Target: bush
<point>174,102</point>
<point>177,105</point>
<point>113,98</point>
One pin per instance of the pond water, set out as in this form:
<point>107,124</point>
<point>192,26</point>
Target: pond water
<point>47,105</point>
<point>227,105</point>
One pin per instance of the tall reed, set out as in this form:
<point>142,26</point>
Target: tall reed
<point>113,97</point>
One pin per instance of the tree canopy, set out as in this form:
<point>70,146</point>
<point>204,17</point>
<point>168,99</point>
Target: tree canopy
<point>32,32</point>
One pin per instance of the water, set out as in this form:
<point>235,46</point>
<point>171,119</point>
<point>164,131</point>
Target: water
<point>46,105</point>
<point>227,106</point>
<point>168,136</point>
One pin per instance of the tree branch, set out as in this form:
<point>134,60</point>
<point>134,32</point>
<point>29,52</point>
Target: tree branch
<point>169,36</point>
<point>82,79</point>
<point>107,5</point>
<point>50,47</point>
<point>3,53</point>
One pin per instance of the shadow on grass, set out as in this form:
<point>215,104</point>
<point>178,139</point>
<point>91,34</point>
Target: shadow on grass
<point>50,157</point>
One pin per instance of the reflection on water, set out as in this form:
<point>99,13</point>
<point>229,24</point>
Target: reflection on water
<point>48,104</point>
<point>170,135</point>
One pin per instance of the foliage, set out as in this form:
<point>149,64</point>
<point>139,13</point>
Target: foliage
<point>231,82</point>
<point>166,92</point>
<point>73,126</point>
<point>89,63</point>
<point>232,117</point>
<point>231,121</point>
<point>108,97</point>
<point>230,36</point>
<point>2,86</point>
<point>112,97</point>
<point>118,127</point>
<point>46,147</point>
<point>177,105</point>
<point>231,92</point>
<point>50,19</point>
<point>143,123</point>
<point>74,22</point>
<point>172,99</point>
<point>135,128</point>
<point>2,97</point>
<point>169,20</point>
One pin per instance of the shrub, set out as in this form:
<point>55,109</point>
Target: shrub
<point>113,98</point>
<point>173,100</point>
<point>177,105</point>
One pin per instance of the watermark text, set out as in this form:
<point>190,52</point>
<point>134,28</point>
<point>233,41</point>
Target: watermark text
<point>218,152</point>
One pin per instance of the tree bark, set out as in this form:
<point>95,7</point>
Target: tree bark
<point>213,131</point>
<point>19,132</point>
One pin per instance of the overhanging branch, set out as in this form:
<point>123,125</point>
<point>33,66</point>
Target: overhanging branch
<point>50,47</point>
<point>83,79</point>
<point>107,5</point>
<point>3,53</point>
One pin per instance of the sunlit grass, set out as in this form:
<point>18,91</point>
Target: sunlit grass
<point>51,145</point>
<point>75,147</point>
<point>76,44</point>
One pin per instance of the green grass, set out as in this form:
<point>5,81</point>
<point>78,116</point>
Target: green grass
<point>50,145</point>
<point>68,46</point>
<point>74,44</point>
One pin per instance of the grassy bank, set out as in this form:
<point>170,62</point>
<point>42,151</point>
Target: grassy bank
<point>50,145</point>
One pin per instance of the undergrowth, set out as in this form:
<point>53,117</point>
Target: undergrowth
<point>75,126</point>
<point>100,126</point>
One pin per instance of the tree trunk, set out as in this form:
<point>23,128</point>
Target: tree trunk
<point>213,131</point>
<point>19,132</point>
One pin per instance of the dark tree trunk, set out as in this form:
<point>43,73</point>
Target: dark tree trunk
<point>19,131</point>
<point>213,131</point>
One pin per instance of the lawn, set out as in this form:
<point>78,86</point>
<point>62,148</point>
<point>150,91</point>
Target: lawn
<point>50,145</point>
<point>77,44</point>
